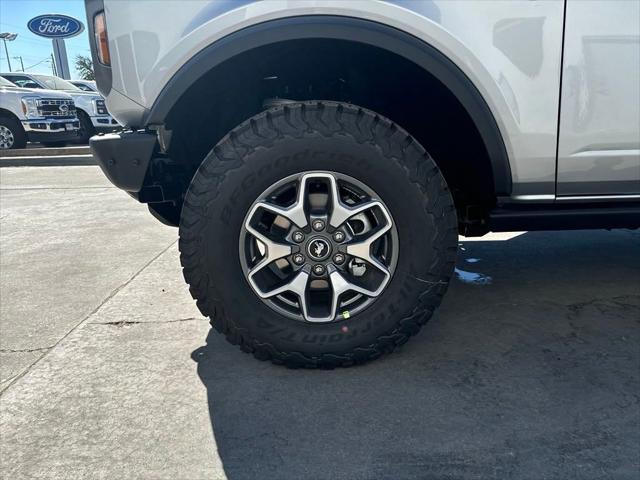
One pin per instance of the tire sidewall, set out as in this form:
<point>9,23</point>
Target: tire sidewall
<point>230,200</point>
<point>19,136</point>
<point>87,130</point>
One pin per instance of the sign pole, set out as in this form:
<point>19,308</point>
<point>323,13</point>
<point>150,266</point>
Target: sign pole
<point>60,55</point>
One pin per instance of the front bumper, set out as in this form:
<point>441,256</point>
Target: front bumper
<point>105,124</point>
<point>47,130</point>
<point>124,157</point>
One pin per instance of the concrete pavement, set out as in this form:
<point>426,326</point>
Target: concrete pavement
<point>68,240</point>
<point>530,369</point>
<point>39,150</point>
<point>39,156</point>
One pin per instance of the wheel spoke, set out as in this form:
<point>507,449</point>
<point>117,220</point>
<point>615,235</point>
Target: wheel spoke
<point>308,286</point>
<point>340,212</point>
<point>339,286</point>
<point>274,250</point>
<point>297,285</point>
<point>362,248</point>
<point>295,214</point>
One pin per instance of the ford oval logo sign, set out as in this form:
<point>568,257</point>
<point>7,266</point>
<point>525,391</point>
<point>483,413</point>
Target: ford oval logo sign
<point>55,26</point>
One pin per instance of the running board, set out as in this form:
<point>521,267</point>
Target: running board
<point>563,217</point>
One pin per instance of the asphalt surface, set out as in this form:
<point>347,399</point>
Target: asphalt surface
<point>530,369</point>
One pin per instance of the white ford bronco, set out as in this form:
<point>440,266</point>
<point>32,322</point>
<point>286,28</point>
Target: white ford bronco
<point>320,158</point>
<point>28,115</point>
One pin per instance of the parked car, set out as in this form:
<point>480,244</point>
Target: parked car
<point>92,112</point>
<point>85,85</point>
<point>321,158</point>
<point>28,115</point>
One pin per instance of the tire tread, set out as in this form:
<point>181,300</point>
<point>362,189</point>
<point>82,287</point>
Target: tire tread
<point>325,118</point>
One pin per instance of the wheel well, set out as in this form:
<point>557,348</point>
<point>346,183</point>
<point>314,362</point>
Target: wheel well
<point>341,70</point>
<point>80,112</point>
<point>9,114</point>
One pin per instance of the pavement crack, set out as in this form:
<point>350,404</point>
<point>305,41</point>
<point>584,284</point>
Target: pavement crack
<point>429,282</point>
<point>122,323</point>
<point>624,303</point>
<point>89,315</point>
<point>24,350</point>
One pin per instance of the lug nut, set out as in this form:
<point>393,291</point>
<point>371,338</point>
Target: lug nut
<point>298,259</point>
<point>338,236</point>
<point>318,269</point>
<point>298,237</point>
<point>338,258</point>
<point>318,225</point>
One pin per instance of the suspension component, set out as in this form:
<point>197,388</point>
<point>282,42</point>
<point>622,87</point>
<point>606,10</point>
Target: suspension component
<point>357,267</point>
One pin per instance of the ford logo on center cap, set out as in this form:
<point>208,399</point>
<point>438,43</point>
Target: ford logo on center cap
<point>55,26</point>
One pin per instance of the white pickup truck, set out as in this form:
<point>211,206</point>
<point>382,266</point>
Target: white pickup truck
<point>35,116</point>
<point>92,112</point>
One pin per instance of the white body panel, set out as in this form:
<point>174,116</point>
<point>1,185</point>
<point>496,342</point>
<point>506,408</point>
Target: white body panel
<point>86,85</point>
<point>510,50</point>
<point>599,145</point>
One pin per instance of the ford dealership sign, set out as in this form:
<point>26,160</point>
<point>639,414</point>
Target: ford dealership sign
<point>55,26</point>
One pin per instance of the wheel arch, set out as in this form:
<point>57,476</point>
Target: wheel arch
<point>83,111</point>
<point>366,32</point>
<point>9,114</point>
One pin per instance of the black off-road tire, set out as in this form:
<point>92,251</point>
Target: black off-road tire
<point>19,136</point>
<point>330,136</point>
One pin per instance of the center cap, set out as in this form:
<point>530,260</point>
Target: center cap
<point>318,248</point>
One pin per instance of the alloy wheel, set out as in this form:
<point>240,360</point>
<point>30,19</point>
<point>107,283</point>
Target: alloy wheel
<point>6,137</point>
<point>318,246</point>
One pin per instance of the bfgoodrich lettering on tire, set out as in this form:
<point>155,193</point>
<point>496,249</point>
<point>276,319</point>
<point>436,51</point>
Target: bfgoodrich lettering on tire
<point>318,234</point>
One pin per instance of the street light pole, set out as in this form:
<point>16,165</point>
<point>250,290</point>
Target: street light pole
<point>4,40</point>
<point>6,36</point>
<point>53,66</point>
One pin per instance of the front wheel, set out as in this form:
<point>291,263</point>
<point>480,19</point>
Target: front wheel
<point>12,134</point>
<point>318,234</point>
<point>87,130</point>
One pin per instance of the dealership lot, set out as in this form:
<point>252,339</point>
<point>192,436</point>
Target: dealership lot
<point>530,369</point>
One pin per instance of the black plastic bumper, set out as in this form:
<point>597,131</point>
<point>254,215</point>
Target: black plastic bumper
<point>107,129</point>
<point>124,157</point>
<point>61,136</point>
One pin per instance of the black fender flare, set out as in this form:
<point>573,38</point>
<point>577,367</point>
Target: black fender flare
<point>356,30</point>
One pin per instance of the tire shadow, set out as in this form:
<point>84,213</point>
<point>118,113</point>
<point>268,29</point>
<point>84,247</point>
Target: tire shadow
<point>533,374</point>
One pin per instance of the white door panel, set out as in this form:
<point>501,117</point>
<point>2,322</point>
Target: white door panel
<point>599,143</point>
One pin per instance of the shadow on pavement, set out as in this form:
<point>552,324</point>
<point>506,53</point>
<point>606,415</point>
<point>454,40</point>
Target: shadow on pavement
<point>532,373</point>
